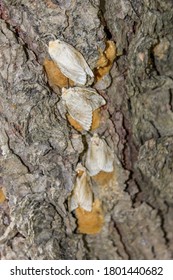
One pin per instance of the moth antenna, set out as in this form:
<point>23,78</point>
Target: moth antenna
<point>54,37</point>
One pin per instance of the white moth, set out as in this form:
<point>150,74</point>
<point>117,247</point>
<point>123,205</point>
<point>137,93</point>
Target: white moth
<point>99,156</point>
<point>81,102</point>
<point>70,61</point>
<point>82,195</point>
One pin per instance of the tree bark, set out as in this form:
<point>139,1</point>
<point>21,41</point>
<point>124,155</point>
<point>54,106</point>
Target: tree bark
<point>40,150</point>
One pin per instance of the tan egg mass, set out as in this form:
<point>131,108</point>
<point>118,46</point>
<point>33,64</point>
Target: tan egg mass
<point>110,51</point>
<point>2,196</point>
<point>74,123</point>
<point>96,118</point>
<point>102,178</point>
<point>90,222</point>
<point>102,61</point>
<point>55,76</point>
<point>105,61</point>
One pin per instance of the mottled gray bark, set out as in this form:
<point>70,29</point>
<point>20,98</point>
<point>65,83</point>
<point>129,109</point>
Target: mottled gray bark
<point>40,150</point>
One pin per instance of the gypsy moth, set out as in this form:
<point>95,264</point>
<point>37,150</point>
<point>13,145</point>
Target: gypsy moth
<point>99,156</point>
<point>70,61</point>
<point>80,103</point>
<point>82,195</point>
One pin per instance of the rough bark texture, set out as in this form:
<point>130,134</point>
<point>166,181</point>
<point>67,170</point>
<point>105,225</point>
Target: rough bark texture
<point>40,150</point>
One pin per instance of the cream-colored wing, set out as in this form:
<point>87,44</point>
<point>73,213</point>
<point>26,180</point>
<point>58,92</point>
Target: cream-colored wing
<point>108,158</point>
<point>91,162</point>
<point>99,156</point>
<point>91,97</point>
<point>78,107</point>
<point>92,159</point>
<point>82,195</point>
<point>77,75</point>
<point>71,68</point>
<point>69,60</point>
<point>84,64</point>
<point>81,60</point>
<point>73,200</point>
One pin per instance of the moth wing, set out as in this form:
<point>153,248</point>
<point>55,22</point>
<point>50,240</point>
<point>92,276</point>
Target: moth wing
<point>92,169</point>
<point>108,165</point>
<point>82,62</point>
<point>73,200</point>
<point>86,67</point>
<point>99,157</point>
<point>75,61</point>
<point>75,74</point>
<point>105,156</point>
<point>79,109</point>
<point>68,60</point>
<point>73,204</point>
<point>89,71</point>
<point>85,193</point>
<point>82,195</point>
<point>95,99</point>
<point>91,162</point>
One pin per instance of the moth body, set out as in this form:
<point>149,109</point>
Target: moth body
<point>70,61</point>
<point>81,102</point>
<point>82,195</point>
<point>99,156</point>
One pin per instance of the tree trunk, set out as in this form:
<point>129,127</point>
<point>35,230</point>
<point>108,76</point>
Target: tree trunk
<point>40,149</point>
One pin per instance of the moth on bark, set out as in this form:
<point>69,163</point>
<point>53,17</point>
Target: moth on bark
<point>82,195</point>
<point>81,102</point>
<point>70,61</point>
<point>99,156</point>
